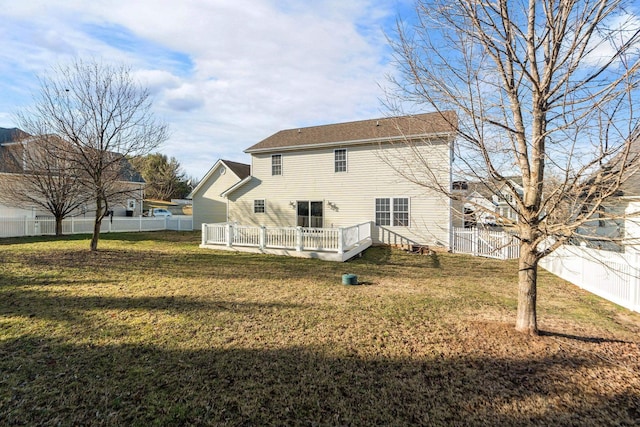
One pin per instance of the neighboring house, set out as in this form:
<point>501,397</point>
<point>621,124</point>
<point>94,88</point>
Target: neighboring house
<point>16,146</point>
<point>207,196</point>
<point>485,203</point>
<point>341,175</point>
<point>616,225</point>
<point>632,226</point>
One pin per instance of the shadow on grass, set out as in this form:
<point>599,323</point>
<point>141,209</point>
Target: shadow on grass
<point>594,340</point>
<point>379,255</point>
<point>166,235</point>
<point>386,255</point>
<point>204,264</point>
<point>37,304</point>
<point>39,239</point>
<point>48,382</point>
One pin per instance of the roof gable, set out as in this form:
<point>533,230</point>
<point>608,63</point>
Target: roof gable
<point>241,170</point>
<point>373,130</point>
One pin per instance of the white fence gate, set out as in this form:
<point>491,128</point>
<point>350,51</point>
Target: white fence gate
<point>611,275</point>
<point>485,242</point>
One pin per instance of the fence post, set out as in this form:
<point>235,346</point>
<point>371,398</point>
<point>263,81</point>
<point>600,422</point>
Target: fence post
<point>583,265</point>
<point>634,293</point>
<point>299,239</point>
<point>229,238</point>
<point>263,236</point>
<point>474,241</point>
<point>340,240</point>
<point>505,248</point>
<point>204,234</point>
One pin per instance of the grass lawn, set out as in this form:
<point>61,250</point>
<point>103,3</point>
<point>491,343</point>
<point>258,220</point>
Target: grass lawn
<point>152,330</point>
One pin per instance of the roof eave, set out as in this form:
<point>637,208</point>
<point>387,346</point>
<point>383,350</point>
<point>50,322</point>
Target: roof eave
<point>352,142</point>
<point>235,186</point>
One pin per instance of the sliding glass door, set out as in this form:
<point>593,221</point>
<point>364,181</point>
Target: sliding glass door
<point>309,214</point>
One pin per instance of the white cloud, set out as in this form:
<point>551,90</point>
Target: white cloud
<point>601,49</point>
<point>157,81</point>
<point>225,73</point>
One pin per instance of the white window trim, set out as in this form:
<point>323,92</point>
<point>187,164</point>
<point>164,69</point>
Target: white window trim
<point>264,206</point>
<point>346,161</point>
<point>391,211</point>
<point>281,164</point>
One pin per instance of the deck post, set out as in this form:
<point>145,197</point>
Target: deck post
<point>229,239</point>
<point>204,234</point>
<point>263,236</point>
<point>298,239</point>
<point>340,240</point>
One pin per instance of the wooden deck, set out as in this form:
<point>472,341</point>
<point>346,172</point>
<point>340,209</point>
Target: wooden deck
<point>331,244</point>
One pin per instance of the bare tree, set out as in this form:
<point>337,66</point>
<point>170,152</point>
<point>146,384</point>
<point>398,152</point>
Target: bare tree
<point>37,175</point>
<point>106,117</point>
<point>543,90</point>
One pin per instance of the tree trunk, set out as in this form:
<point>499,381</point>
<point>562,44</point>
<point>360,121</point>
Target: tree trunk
<point>96,225</point>
<point>526,320</point>
<point>58,226</point>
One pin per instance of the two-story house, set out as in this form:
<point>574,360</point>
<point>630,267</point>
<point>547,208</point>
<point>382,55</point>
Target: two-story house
<point>23,157</point>
<point>382,170</point>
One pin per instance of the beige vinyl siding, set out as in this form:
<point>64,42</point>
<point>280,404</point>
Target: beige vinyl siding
<point>208,206</point>
<point>349,197</point>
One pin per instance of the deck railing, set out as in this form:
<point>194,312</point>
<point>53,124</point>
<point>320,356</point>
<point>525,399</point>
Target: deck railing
<point>339,240</point>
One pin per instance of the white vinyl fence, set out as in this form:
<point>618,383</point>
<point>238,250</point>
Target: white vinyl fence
<point>485,242</point>
<point>611,275</point>
<point>20,227</point>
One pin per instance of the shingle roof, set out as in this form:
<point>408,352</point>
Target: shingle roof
<point>374,130</point>
<point>9,162</point>
<point>11,155</point>
<point>631,186</point>
<point>240,169</point>
<point>12,134</point>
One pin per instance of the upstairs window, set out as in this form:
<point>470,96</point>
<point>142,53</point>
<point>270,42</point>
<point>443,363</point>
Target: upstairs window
<point>392,211</point>
<point>276,164</point>
<point>340,160</point>
<point>259,206</point>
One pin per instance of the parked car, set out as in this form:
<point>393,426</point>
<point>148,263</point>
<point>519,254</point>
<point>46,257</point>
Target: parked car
<point>161,212</point>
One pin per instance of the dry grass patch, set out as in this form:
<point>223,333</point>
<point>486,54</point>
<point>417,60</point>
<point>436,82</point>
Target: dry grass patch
<point>154,330</point>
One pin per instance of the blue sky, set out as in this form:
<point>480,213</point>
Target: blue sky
<point>224,74</point>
